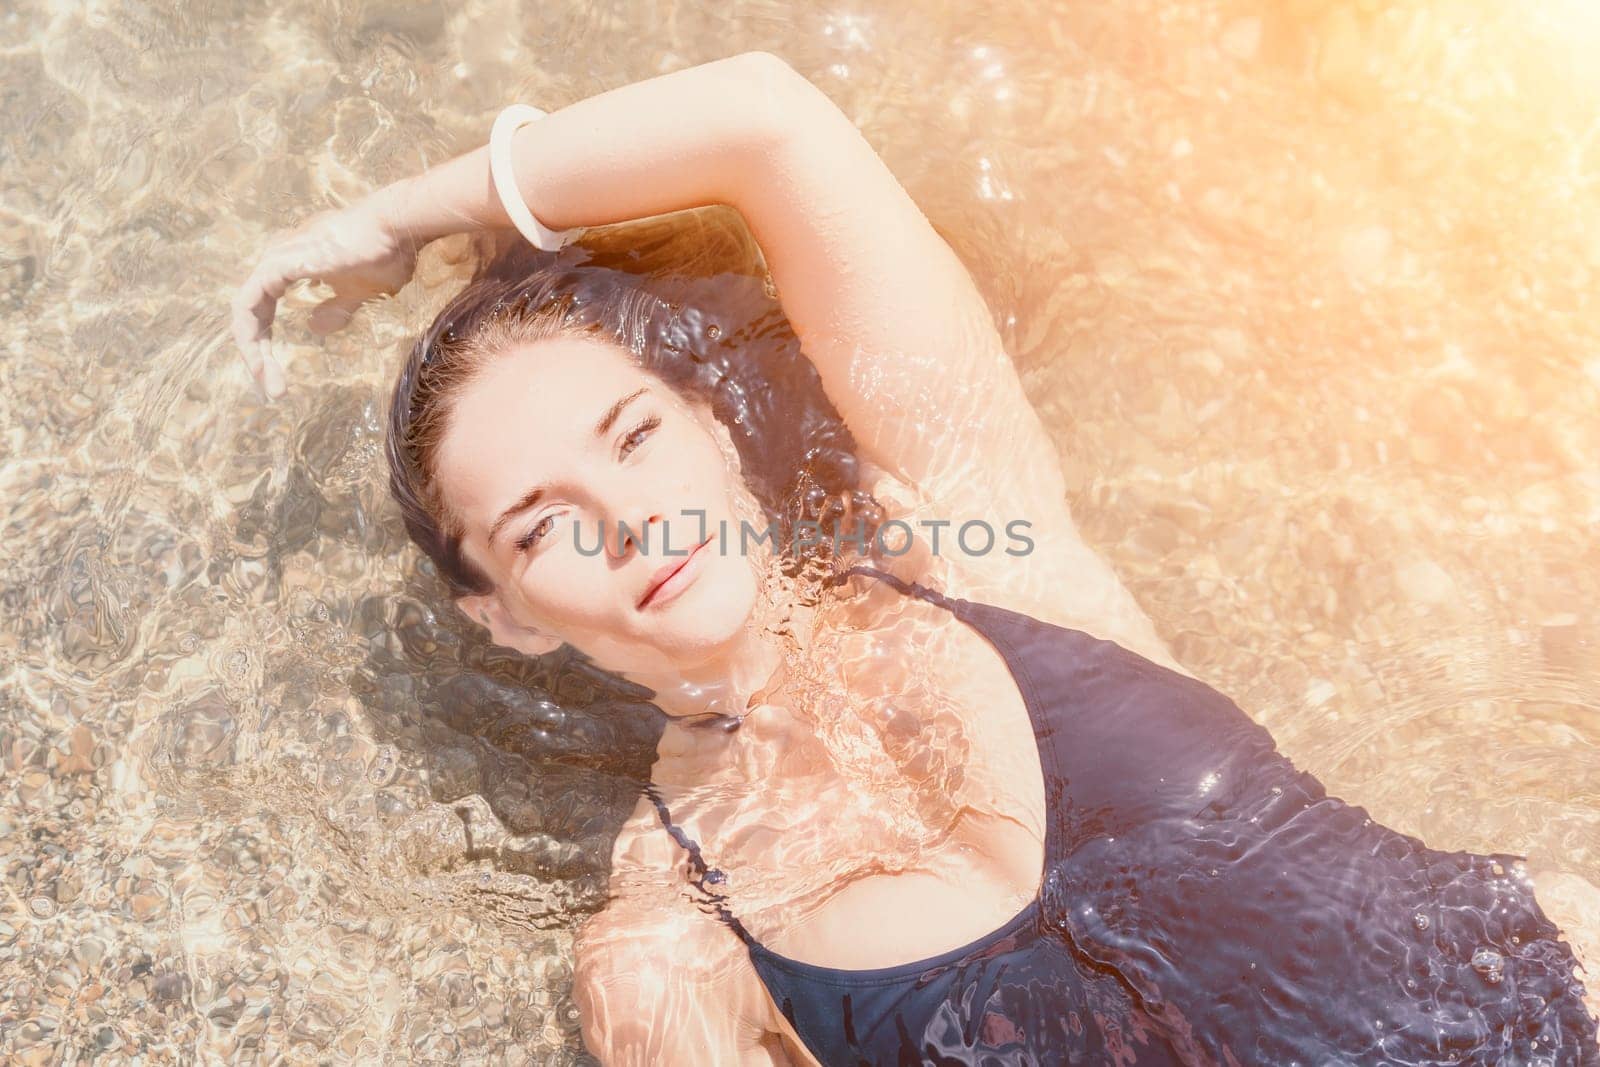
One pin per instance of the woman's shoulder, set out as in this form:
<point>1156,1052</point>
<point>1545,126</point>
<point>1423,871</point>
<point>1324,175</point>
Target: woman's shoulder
<point>1038,565</point>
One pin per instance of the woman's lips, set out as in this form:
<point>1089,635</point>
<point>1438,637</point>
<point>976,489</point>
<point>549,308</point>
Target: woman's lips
<point>672,578</point>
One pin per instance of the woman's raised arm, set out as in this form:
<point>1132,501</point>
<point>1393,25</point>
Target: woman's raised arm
<point>681,140</point>
<point>901,338</point>
<point>898,331</point>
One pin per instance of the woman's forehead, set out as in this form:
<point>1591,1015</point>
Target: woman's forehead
<point>536,402</point>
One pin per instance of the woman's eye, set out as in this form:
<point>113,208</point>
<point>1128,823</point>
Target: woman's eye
<point>639,434</point>
<point>540,530</point>
<point>636,437</point>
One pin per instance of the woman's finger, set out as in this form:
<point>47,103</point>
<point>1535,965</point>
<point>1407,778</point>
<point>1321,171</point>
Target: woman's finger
<point>255,306</point>
<point>253,309</point>
<point>246,327</point>
<point>271,372</point>
<point>256,303</point>
<point>250,352</point>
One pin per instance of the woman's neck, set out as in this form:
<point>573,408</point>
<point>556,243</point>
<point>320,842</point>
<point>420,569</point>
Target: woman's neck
<point>744,676</point>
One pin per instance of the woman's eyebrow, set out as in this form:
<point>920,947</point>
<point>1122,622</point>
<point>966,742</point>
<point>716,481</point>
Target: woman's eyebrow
<point>531,497</point>
<point>610,416</point>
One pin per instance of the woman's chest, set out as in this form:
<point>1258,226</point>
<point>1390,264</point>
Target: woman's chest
<point>905,820</point>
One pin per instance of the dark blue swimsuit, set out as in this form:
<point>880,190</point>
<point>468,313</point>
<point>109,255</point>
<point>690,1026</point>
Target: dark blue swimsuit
<point>1204,903</point>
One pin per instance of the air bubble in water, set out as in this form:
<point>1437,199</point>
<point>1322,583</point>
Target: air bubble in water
<point>1420,921</point>
<point>1489,964</point>
<point>713,331</point>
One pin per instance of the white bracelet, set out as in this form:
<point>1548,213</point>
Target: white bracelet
<point>510,121</point>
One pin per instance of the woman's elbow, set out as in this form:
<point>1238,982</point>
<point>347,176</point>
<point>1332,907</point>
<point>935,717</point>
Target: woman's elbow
<point>786,101</point>
<point>765,65</point>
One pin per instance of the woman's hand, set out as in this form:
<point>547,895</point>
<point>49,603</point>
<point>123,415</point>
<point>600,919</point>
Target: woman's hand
<point>355,250</point>
<point>687,139</point>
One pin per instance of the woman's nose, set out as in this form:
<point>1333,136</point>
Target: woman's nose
<point>623,536</point>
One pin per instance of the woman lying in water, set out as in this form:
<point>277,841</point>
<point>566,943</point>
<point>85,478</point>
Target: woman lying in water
<point>911,805</point>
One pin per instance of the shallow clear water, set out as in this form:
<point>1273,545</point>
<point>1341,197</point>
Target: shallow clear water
<point>1303,290</point>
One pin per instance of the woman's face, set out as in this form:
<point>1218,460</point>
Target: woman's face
<point>580,479</point>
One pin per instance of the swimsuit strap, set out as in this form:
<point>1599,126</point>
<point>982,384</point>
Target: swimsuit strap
<point>701,876</point>
<point>922,592</point>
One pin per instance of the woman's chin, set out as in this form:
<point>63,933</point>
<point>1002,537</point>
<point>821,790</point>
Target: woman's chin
<point>701,623</point>
<point>707,618</point>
